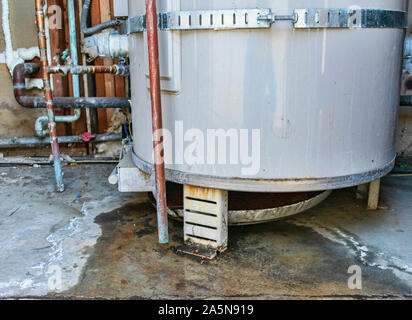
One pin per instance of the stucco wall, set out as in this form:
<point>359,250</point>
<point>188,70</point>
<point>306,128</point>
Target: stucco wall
<point>16,121</point>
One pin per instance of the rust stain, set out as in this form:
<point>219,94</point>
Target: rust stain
<point>202,193</point>
<point>277,259</point>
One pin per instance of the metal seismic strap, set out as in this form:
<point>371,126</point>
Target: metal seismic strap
<point>311,18</point>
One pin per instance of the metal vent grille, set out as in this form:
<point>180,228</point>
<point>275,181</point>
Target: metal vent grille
<point>206,217</point>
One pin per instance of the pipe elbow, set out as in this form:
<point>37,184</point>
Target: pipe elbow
<point>19,85</point>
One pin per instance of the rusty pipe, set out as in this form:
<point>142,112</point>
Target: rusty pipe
<point>153,50</point>
<point>20,93</point>
<point>76,70</point>
<point>48,95</point>
<point>37,141</point>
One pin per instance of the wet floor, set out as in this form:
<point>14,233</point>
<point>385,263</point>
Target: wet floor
<point>105,245</point>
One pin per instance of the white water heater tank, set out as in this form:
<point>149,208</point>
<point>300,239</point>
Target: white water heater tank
<point>322,89</point>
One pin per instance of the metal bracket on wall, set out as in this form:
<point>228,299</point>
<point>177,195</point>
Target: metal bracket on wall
<point>127,176</point>
<point>264,18</point>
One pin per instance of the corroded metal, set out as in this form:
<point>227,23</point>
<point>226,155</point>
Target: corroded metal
<point>153,50</point>
<point>247,208</point>
<point>201,252</point>
<point>350,18</point>
<point>20,93</point>
<point>49,95</point>
<point>36,141</point>
<point>206,217</point>
<point>248,217</point>
<point>77,70</point>
<point>269,185</point>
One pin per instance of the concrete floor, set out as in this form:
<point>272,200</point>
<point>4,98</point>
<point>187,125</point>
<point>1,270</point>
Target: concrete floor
<point>102,244</point>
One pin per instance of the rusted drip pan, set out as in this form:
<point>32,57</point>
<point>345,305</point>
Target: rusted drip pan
<point>153,50</point>
<point>49,95</point>
<point>20,93</point>
<point>251,208</point>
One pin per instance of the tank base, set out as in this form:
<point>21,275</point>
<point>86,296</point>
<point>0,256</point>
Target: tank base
<point>250,208</point>
<point>268,185</point>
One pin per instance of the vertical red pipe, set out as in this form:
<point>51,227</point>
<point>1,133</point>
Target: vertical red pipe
<point>48,94</point>
<point>152,37</point>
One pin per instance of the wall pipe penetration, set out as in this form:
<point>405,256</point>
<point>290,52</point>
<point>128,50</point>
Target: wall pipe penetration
<point>153,50</point>
<point>92,30</point>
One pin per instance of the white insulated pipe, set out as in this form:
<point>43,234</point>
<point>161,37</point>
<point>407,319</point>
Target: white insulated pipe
<point>12,57</point>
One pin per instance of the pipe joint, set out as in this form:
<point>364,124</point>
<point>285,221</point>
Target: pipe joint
<point>106,45</point>
<point>27,101</point>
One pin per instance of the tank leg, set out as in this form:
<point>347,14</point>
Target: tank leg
<point>205,221</point>
<point>374,191</point>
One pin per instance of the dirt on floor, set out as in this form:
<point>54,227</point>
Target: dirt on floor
<point>105,244</point>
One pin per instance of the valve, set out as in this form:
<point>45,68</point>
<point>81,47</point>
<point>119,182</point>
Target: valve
<point>87,137</point>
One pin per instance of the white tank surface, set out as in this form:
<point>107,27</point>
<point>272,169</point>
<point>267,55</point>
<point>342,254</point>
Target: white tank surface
<point>325,100</point>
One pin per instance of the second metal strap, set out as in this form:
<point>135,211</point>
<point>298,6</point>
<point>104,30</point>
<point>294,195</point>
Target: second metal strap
<point>263,19</point>
<point>350,18</point>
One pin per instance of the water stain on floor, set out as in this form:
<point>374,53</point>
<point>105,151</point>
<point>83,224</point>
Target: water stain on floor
<point>279,259</point>
<point>106,244</point>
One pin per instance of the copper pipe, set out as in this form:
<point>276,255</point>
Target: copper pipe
<point>48,94</point>
<point>153,49</point>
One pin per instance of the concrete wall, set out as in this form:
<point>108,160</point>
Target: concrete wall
<point>14,120</point>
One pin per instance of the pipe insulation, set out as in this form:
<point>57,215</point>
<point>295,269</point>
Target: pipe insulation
<point>107,45</point>
<point>15,57</point>
<point>92,30</point>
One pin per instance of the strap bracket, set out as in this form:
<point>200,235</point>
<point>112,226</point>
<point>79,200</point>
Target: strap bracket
<point>234,19</point>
